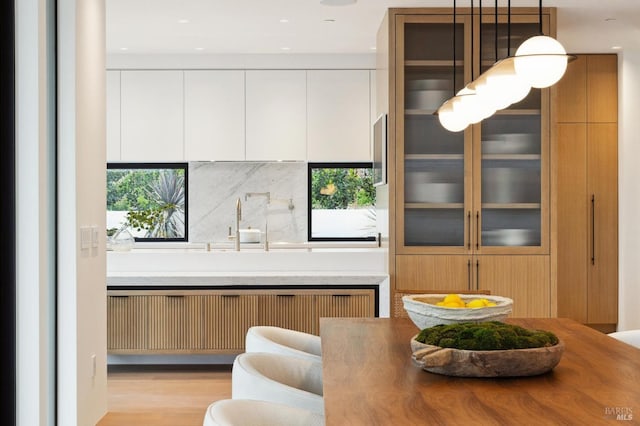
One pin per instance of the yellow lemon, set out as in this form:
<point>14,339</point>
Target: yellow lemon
<point>476,303</point>
<point>491,304</point>
<point>449,298</point>
<point>454,305</point>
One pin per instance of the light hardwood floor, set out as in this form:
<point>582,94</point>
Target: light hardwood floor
<point>163,395</point>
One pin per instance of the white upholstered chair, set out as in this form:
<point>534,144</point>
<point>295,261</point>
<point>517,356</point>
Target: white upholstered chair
<point>278,378</point>
<point>247,412</point>
<point>283,341</point>
<point>631,337</point>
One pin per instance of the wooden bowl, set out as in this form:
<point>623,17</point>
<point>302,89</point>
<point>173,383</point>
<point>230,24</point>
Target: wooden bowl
<point>499,363</point>
<point>424,312</point>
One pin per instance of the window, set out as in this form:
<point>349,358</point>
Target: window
<point>341,202</point>
<point>149,200</point>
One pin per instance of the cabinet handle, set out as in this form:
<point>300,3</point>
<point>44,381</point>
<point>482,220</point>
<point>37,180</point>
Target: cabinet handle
<point>477,275</point>
<point>341,295</point>
<point>477,230</point>
<point>593,229</point>
<point>286,295</point>
<point>230,295</point>
<point>469,230</point>
<point>175,295</point>
<point>119,296</point>
<point>469,274</point>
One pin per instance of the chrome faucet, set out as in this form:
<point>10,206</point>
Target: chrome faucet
<point>238,219</point>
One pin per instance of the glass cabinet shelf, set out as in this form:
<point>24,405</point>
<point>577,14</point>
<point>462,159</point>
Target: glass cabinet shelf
<point>434,157</point>
<point>432,63</point>
<point>433,205</point>
<point>523,206</point>
<point>511,157</point>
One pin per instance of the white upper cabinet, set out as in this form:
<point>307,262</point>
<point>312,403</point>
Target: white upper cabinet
<point>113,115</point>
<point>152,114</point>
<point>214,115</point>
<point>276,115</point>
<point>338,114</point>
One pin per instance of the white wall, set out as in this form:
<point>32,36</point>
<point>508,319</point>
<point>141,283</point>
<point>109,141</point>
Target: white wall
<point>82,394</point>
<point>629,196</point>
<point>35,193</point>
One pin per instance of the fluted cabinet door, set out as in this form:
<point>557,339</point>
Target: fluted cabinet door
<point>176,322</point>
<point>227,317</point>
<point>288,310</point>
<point>127,323</point>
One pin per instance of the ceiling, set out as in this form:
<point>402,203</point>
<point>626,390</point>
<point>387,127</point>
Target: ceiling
<point>255,27</point>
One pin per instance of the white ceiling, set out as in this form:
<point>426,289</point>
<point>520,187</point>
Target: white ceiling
<point>253,26</point>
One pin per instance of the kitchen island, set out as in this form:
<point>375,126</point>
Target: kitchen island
<point>194,303</point>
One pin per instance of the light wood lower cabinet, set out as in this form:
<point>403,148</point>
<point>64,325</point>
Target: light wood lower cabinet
<point>127,322</point>
<point>227,317</point>
<point>216,321</point>
<point>523,278</point>
<point>288,310</point>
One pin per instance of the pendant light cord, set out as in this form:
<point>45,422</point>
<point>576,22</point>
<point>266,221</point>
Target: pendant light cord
<point>540,17</point>
<point>480,37</point>
<point>454,48</point>
<point>509,28</point>
<point>495,12</point>
<point>472,41</point>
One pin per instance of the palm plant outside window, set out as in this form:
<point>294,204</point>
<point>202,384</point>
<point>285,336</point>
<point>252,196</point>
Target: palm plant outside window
<point>149,200</point>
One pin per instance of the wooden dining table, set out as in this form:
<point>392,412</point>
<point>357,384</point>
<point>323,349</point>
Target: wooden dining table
<point>369,378</point>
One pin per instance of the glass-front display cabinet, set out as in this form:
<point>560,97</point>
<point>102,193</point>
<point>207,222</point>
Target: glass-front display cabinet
<point>484,190</point>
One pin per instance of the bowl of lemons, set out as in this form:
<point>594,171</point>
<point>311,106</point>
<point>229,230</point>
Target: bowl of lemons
<point>428,310</point>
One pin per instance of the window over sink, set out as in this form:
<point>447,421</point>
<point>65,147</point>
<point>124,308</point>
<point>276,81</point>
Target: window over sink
<point>341,202</point>
<point>148,200</point>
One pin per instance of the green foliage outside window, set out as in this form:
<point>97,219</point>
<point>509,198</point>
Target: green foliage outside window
<point>342,188</point>
<point>154,200</point>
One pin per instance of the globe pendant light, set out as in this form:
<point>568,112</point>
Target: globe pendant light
<point>501,85</point>
<point>449,113</point>
<point>450,120</point>
<point>541,60</point>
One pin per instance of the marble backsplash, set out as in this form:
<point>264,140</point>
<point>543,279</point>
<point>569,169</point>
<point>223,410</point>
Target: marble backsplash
<point>214,188</point>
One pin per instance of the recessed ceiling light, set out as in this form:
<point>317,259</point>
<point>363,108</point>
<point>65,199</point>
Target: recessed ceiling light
<point>616,47</point>
<point>285,48</point>
<point>124,48</point>
<point>199,48</point>
<point>183,21</point>
<point>337,2</point>
<point>372,48</point>
<point>284,20</point>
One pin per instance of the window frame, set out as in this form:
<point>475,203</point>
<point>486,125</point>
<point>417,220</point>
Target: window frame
<point>325,165</point>
<point>147,166</point>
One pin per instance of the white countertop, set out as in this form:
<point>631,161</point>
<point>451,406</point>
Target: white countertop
<point>310,266</point>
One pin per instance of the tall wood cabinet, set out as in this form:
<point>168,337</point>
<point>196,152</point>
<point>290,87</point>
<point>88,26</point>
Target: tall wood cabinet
<point>587,123</point>
<point>469,210</point>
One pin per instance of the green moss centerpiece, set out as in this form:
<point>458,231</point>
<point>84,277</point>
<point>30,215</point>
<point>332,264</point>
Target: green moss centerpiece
<point>486,336</point>
<point>486,349</point>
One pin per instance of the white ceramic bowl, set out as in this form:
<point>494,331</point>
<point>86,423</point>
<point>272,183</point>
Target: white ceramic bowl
<point>249,235</point>
<point>424,312</point>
